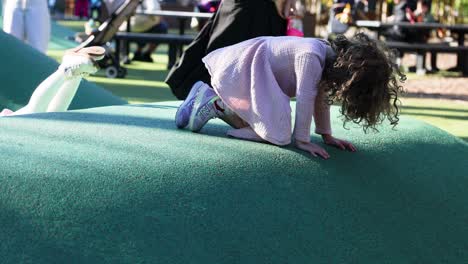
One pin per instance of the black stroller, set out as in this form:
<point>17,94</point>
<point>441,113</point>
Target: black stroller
<point>118,11</point>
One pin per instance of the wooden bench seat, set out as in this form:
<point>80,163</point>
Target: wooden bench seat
<point>439,47</point>
<point>422,48</point>
<point>174,41</point>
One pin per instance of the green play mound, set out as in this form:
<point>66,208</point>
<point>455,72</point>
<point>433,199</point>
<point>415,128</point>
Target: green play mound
<point>121,184</point>
<point>23,68</point>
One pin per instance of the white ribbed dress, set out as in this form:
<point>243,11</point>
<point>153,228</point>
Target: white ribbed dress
<point>258,77</point>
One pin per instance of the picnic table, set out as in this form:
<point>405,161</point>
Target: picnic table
<point>459,29</point>
<point>182,16</point>
<point>175,41</point>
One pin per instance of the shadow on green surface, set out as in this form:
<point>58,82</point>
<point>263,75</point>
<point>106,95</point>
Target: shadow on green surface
<point>212,129</point>
<point>45,250</point>
<point>153,106</point>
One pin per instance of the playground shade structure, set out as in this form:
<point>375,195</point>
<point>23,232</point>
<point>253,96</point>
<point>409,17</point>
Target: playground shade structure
<point>121,184</point>
<point>23,68</point>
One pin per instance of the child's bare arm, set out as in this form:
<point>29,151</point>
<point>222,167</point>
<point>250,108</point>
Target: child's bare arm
<point>323,124</point>
<point>322,114</point>
<point>308,72</point>
<point>308,77</point>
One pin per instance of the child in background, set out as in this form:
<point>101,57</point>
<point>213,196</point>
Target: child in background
<point>253,82</point>
<point>295,26</point>
<point>297,15</point>
<point>82,8</point>
<point>56,92</point>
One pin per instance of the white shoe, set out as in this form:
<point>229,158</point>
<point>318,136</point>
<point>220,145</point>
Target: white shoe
<point>81,62</point>
<point>77,66</point>
<point>94,52</point>
<point>203,108</point>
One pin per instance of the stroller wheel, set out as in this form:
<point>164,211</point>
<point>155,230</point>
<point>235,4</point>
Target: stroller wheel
<point>112,72</point>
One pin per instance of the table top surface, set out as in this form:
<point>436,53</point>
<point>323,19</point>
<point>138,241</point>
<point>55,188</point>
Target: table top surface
<point>178,14</point>
<point>378,24</point>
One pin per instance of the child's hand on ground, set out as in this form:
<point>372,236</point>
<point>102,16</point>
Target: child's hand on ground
<point>312,149</point>
<point>339,143</point>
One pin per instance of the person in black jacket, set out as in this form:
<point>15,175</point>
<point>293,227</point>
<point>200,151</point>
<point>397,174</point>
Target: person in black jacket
<point>234,21</point>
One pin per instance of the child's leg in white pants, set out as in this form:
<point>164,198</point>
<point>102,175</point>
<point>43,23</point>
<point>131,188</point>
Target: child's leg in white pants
<point>44,93</point>
<point>57,91</point>
<point>64,96</point>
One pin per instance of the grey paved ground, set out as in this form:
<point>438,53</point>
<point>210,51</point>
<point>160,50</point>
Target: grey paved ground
<point>435,85</point>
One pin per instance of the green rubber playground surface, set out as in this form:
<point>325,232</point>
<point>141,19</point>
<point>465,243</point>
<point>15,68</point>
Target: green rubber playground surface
<point>121,184</point>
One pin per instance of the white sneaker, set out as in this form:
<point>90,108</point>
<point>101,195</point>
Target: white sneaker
<point>203,108</point>
<point>81,62</point>
<point>185,109</point>
<point>77,65</point>
<point>94,52</point>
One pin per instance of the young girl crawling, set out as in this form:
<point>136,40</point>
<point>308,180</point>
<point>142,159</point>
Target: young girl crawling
<point>253,82</point>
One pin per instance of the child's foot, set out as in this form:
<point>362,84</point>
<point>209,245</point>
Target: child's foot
<point>6,112</point>
<point>94,52</point>
<point>81,61</point>
<point>203,108</point>
<point>76,65</point>
<point>185,109</point>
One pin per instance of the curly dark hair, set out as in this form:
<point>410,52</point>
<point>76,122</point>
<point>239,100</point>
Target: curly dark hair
<point>363,77</point>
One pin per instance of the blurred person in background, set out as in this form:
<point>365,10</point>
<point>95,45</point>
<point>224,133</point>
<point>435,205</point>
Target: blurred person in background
<point>146,24</point>
<point>422,14</point>
<point>411,11</point>
<point>340,17</point>
<point>361,10</point>
<point>29,21</point>
<point>51,4</point>
<point>82,8</point>
<point>204,6</point>
<point>402,12</point>
<point>95,9</point>
<point>297,16</point>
